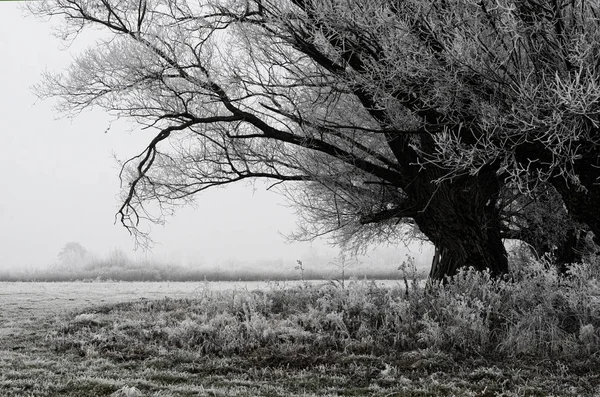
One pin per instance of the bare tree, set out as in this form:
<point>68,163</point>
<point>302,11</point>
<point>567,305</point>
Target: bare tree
<point>254,90</point>
<point>388,110</point>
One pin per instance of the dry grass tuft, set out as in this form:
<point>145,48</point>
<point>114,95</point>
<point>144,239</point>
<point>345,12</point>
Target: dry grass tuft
<point>127,391</point>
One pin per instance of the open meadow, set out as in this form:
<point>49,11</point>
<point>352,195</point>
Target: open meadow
<point>473,337</point>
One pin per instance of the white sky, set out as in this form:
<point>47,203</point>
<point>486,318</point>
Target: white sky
<point>59,181</point>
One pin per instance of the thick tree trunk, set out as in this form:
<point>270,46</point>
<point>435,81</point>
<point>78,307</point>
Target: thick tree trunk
<point>464,242</point>
<point>462,221</point>
<point>459,216</point>
<point>581,200</point>
<point>570,251</point>
<point>482,255</point>
<point>583,205</point>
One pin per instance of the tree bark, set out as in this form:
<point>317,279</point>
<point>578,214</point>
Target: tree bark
<point>465,241</point>
<point>581,200</point>
<point>570,251</point>
<point>583,205</point>
<point>458,215</point>
<point>462,221</point>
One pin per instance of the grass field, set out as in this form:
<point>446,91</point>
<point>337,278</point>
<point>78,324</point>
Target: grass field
<point>474,337</point>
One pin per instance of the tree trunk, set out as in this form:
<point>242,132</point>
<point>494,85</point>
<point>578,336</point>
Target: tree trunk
<point>582,200</point>
<point>437,255</point>
<point>583,205</point>
<point>570,251</point>
<point>470,244</point>
<point>462,221</point>
<point>459,216</point>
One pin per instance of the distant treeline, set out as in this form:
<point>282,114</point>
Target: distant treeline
<point>105,270</point>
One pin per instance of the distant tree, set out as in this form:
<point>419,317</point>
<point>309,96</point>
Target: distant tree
<point>118,258</point>
<point>389,111</point>
<point>72,254</point>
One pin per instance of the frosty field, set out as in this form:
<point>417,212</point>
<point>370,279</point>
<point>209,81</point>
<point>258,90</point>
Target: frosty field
<point>23,304</point>
<point>225,339</point>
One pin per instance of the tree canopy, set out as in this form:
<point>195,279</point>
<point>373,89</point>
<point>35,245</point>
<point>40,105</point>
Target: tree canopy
<point>374,113</point>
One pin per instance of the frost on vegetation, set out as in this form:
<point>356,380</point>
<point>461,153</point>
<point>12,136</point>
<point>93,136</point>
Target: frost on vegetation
<point>533,313</point>
<point>84,318</point>
<point>127,391</point>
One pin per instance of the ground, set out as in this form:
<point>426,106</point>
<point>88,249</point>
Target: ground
<point>43,352</point>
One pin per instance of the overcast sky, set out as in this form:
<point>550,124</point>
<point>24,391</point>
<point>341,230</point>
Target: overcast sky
<point>59,180</point>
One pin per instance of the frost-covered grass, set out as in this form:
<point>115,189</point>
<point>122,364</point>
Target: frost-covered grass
<point>534,314</point>
<point>534,333</point>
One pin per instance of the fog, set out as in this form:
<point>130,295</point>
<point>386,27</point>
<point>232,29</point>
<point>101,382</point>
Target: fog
<point>60,179</point>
